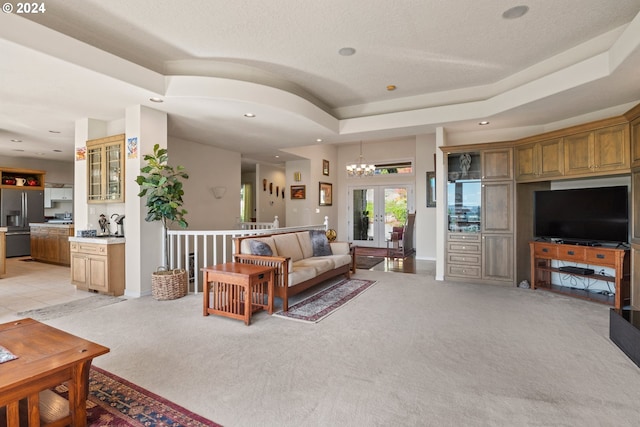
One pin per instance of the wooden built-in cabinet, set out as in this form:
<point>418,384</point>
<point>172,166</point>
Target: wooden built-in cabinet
<point>540,160</point>
<point>105,170</point>
<point>10,175</point>
<point>598,152</point>
<point>51,244</point>
<point>98,267</point>
<point>480,238</point>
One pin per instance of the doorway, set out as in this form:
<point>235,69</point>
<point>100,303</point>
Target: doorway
<point>374,210</point>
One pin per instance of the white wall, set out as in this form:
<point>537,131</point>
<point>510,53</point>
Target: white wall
<point>57,171</point>
<point>425,244</point>
<point>208,167</point>
<point>269,202</point>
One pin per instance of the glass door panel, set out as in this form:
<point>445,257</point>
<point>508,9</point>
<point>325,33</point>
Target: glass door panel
<point>375,210</point>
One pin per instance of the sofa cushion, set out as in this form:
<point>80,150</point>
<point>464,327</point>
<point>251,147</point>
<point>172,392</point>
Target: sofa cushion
<point>320,264</point>
<point>304,238</point>
<point>288,246</point>
<point>301,274</point>
<point>336,260</point>
<point>320,243</point>
<point>260,248</point>
<point>245,245</point>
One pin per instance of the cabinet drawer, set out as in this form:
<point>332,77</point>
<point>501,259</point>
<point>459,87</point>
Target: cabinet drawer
<point>576,253</point>
<point>463,270</point>
<point>460,237</point>
<point>88,248</point>
<point>471,247</point>
<point>464,258</point>
<point>544,250</point>
<point>601,257</point>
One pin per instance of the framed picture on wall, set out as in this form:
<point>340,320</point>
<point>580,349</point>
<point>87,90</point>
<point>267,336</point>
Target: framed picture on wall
<point>298,192</point>
<point>431,189</point>
<point>325,167</point>
<point>325,194</point>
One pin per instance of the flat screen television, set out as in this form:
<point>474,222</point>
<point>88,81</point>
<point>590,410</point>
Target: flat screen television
<point>584,215</point>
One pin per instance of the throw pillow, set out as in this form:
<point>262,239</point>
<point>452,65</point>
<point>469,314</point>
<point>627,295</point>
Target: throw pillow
<point>320,243</point>
<point>260,248</point>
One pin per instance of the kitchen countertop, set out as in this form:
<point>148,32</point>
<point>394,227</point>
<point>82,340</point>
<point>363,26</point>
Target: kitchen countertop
<point>47,224</point>
<point>101,240</point>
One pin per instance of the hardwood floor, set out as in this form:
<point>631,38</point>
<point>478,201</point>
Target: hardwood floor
<point>397,265</point>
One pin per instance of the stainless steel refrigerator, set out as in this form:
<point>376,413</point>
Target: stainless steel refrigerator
<point>18,208</point>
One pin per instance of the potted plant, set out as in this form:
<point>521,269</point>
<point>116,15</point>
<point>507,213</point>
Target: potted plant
<point>162,186</point>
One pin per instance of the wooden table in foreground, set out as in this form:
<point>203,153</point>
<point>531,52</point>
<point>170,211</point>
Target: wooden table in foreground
<point>47,357</point>
<point>238,290</point>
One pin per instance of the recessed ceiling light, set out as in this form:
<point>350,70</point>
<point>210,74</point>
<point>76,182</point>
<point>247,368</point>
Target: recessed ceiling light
<point>54,131</point>
<point>250,115</point>
<point>16,140</point>
<point>277,157</point>
<point>515,12</point>
<point>57,151</point>
<point>484,122</point>
<point>17,149</point>
<point>347,51</point>
<point>391,87</point>
<point>156,99</point>
<point>319,140</point>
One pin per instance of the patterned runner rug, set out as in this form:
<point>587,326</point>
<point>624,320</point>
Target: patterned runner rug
<point>71,307</point>
<point>114,401</point>
<point>325,302</point>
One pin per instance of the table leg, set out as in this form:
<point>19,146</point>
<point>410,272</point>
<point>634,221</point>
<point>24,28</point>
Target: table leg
<point>205,296</point>
<point>270,290</point>
<point>247,302</point>
<point>78,391</point>
<point>13,414</point>
<point>33,409</point>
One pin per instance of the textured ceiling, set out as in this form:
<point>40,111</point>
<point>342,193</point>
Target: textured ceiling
<point>453,62</point>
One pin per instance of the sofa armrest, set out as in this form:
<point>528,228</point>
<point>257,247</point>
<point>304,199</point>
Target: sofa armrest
<point>279,264</point>
<point>340,248</point>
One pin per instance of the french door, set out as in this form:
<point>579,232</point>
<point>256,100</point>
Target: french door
<point>374,210</point>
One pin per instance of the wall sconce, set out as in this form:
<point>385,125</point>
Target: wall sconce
<point>297,176</point>
<point>219,192</point>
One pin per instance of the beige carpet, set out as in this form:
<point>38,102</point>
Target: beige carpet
<point>408,352</point>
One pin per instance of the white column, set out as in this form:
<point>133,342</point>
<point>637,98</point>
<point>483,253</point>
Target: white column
<point>441,204</point>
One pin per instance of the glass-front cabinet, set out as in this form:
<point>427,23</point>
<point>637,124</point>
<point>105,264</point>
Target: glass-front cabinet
<point>105,170</point>
<point>464,193</point>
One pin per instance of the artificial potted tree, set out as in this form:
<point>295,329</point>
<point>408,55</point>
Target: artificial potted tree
<point>162,185</point>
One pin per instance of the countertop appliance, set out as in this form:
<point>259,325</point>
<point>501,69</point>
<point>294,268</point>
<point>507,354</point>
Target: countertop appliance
<point>18,208</point>
<point>61,218</point>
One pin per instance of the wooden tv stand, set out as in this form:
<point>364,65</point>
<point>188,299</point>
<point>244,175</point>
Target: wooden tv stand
<point>543,252</point>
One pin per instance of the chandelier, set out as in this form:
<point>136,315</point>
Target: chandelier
<point>359,167</point>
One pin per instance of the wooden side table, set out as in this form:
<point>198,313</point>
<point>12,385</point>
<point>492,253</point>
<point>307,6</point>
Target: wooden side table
<point>237,290</point>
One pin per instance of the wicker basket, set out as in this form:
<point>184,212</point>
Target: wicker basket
<point>169,284</point>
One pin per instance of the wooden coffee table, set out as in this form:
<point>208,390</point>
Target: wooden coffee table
<point>47,357</point>
<point>237,290</point>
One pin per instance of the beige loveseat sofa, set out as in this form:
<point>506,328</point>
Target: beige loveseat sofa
<point>301,259</point>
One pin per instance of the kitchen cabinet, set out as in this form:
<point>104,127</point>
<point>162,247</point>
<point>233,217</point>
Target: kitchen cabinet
<point>105,170</point>
<point>598,152</point>
<point>52,195</point>
<point>98,267</point>
<point>541,160</point>
<point>29,178</point>
<point>51,243</point>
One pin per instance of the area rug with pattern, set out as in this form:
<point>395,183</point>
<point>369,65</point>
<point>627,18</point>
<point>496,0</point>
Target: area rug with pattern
<point>114,401</point>
<point>327,301</point>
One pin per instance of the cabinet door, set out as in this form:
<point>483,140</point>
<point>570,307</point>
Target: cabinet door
<point>98,279</point>
<point>635,276</point>
<point>634,130</point>
<point>95,187</point>
<point>47,198</point>
<point>497,257</point>
<point>550,158</point>
<point>64,253</point>
<point>497,207</point>
<point>611,149</point>
<point>79,269</point>
<point>497,164</point>
<point>635,208</point>
<point>51,247</point>
<point>578,153</point>
<point>525,162</point>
